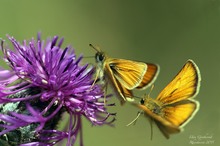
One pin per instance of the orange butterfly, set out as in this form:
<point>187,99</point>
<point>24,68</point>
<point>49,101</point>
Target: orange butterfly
<point>174,107</point>
<point>124,75</point>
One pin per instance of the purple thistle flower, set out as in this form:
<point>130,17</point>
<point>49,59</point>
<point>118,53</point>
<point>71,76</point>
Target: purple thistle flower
<point>44,82</point>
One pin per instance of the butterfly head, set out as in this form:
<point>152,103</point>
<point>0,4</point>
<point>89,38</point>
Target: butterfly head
<point>151,104</point>
<point>142,101</point>
<point>99,56</point>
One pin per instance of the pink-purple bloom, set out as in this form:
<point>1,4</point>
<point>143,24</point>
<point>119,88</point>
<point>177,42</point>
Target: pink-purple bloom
<point>44,82</point>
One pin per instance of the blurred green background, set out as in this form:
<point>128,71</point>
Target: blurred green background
<point>167,32</point>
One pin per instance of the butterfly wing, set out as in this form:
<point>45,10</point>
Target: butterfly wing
<point>133,74</point>
<point>178,107</point>
<point>123,92</point>
<point>165,126</point>
<point>150,76</point>
<point>185,85</point>
<point>180,113</point>
<point>128,73</point>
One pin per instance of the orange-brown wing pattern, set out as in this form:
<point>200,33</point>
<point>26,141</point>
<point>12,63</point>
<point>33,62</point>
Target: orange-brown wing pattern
<point>150,76</point>
<point>116,85</point>
<point>180,113</point>
<point>128,73</point>
<point>185,85</point>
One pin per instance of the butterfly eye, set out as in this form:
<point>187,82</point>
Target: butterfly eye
<point>99,57</point>
<point>142,101</point>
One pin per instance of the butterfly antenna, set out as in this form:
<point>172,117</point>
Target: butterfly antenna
<point>95,48</point>
<point>135,119</point>
<point>151,89</point>
<point>88,56</point>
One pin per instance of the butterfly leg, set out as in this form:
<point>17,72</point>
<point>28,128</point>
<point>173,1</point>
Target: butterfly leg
<point>96,78</point>
<point>135,119</point>
<point>151,128</point>
<point>105,88</point>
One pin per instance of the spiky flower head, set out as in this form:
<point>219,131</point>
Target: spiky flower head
<point>43,82</point>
